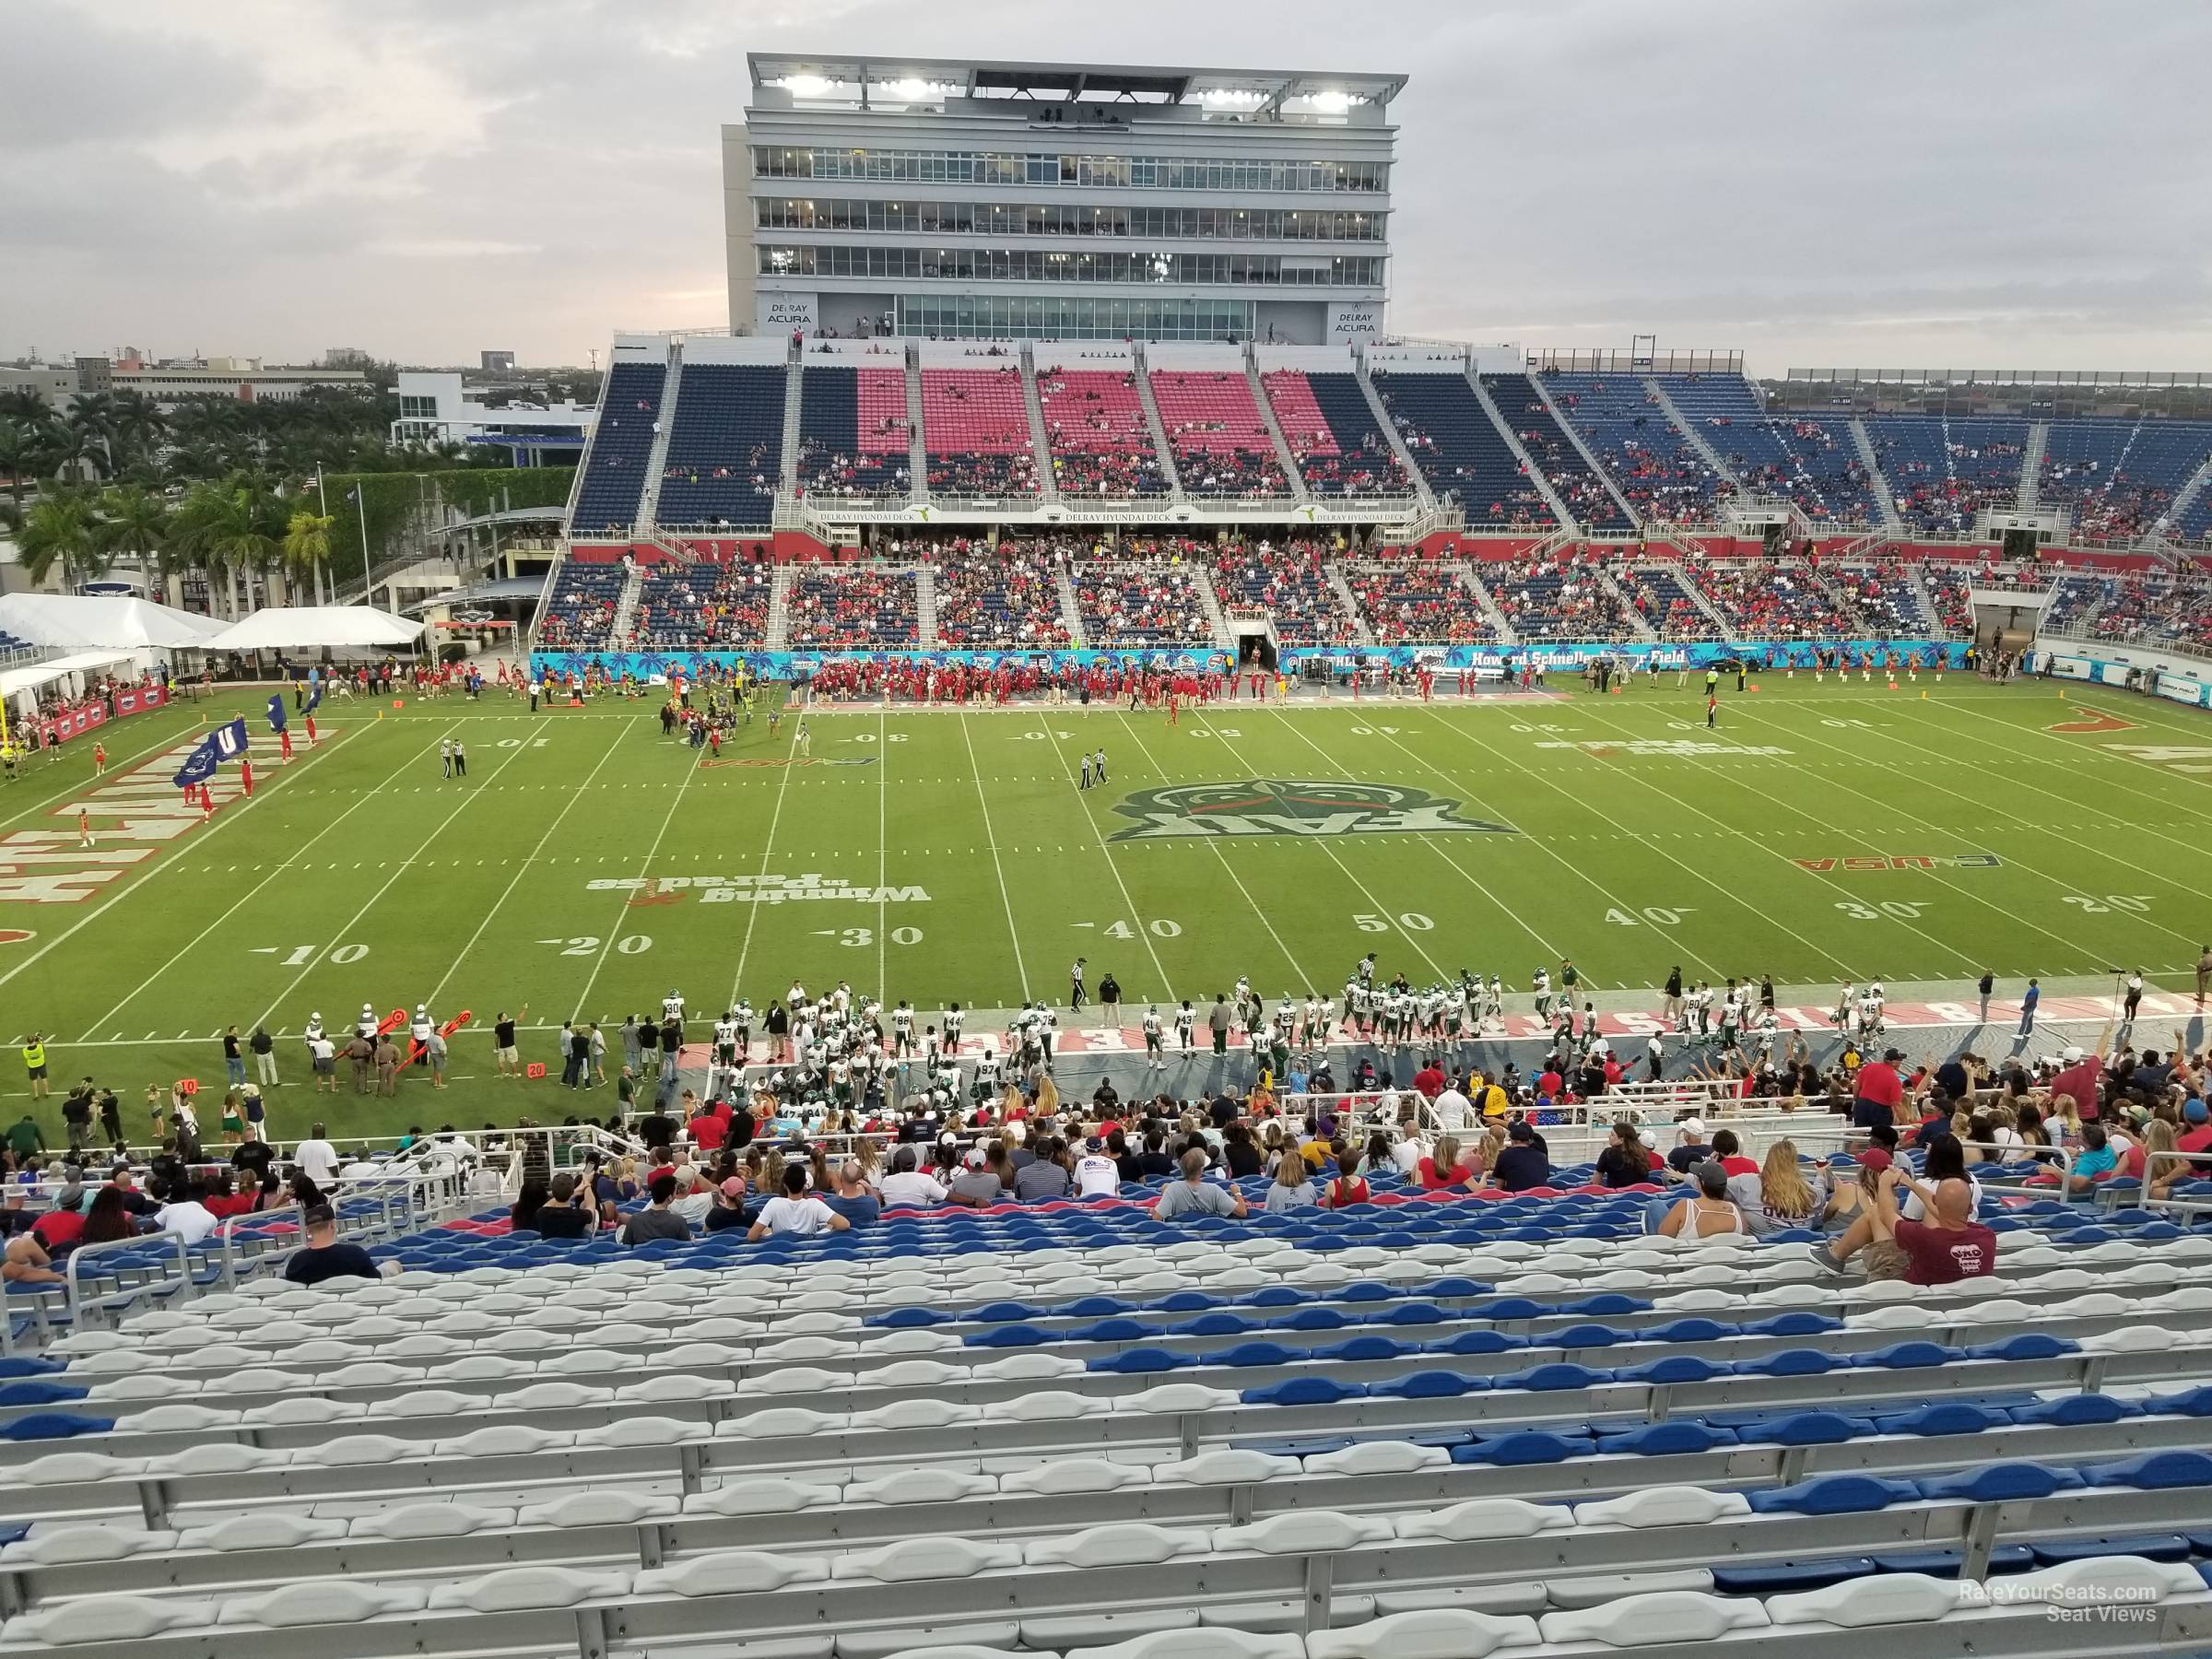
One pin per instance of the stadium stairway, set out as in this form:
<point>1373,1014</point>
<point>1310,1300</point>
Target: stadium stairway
<point>1211,602</point>
<point>656,464</point>
<point>925,606</point>
<point>794,390</point>
<point>1691,433</point>
<point>1534,473</point>
<point>1160,446</point>
<point>917,444</point>
<point>2032,465</point>
<point>1581,447</point>
<point>625,606</point>
<point>1389,428</point>
<point>1292,474</point>
<point>1041,444</point>
<point>1634,618</point>
<point>1469,579</point>
<point>1071,609</point>
<point>778,637</point>
<point>2187,512</point>
<point>1885,492</point>
<point>1332,573</point>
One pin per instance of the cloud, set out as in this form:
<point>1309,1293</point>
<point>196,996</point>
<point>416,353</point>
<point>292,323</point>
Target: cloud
<point>1810,184</point>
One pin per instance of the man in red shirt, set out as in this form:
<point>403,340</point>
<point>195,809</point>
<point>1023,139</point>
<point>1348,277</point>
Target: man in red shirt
<point>710,1129</point>
<point>2081,1078</point>
<point>1948,1246</point>
<point>1430,1079</point>
<point>1881,1091</point>
<point>2197,1135</point>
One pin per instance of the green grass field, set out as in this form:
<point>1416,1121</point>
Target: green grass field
<point>586,866</point>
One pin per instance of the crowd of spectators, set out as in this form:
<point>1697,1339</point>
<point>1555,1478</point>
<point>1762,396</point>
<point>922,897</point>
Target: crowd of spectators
<point>1417,601</point>
<point>702,607</point>
<point>579,613</point>
<point>1101,443</point>
<point>1565,595</point>
<point>997,598</point>
<point>853,607</point>
<point>1663,476</point>
<point>1151,596</point>
<point>1763,599</point>
<point>1878,601</point>
<point>1665,603</point>
<point>1290,582</point>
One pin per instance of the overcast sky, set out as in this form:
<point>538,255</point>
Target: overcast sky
<point>1894,183</point>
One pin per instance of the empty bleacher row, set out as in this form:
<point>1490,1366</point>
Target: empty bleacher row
<point>1340,448</point>
<point>1054,1428</point>
<point>975,433</point>
<point>1101,445</point>
<point>1945,472</point>
<point>853,432</point>
<point>1585,494</point>
<point>621,449</point>
<point>1664,477</point>
<point>1461,452</point>
<point>725,446</point>
<point>1221,441</point>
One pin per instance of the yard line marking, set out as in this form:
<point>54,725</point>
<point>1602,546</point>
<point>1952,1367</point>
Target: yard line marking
<point>883,850</point>
<point>369,903</point>
<point>1651,841</point>
<point>2188,887</point>
<point>1464,874</point>
<point>767,849</point>
<point>1107,854</point>
<point>72,785</point>
<point>520,870</point>
<point>1231,870</point>
<point>1828,885</point>
<point>975,773</point>
<point>228,813</point>
<point>1330,853</point>
<point>652,853</point>
<point>198,938</point>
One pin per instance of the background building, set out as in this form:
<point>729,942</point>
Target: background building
<point>1059,201</point>
<point>435,408</point>
<point>243,378</point>
<point>56,385</point>
<point>496,362</point>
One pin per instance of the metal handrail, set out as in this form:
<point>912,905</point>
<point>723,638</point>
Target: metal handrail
<point>73,1290</point>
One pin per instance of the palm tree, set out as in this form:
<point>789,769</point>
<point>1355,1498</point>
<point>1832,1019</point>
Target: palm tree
<point>139,423</point>
<point>95,416</point>
<point>23,452</point>
<point>306,549</point>
<point>74,454</point>
<point>134,522</point>
<point>221,529</point>
<point>58,531</point>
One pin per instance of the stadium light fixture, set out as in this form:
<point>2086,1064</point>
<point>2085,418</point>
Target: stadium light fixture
<point>807,86</point>
<point>1331,103</point>
<point>1227,96</point>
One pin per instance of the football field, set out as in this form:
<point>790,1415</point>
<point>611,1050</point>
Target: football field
<point>587,866</point>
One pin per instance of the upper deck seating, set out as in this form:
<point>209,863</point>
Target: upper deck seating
<point>1663,476</point>
<point>725,446</point>
<point>1946,471</point>
<point>1332,435</point>
<point>621,449</point>
<point>1101,443</point>
<point>1221,441</point>
<point>975,431</point>
<point>1461,452</point>
<point>853,431</point>
<point>1554,453</point>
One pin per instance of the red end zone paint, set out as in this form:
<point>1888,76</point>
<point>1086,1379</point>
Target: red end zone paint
<point>15,935</point>
<point>2092,721</point>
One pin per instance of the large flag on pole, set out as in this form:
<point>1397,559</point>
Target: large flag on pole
<point>277,712</point>
<point>224,743</point>
<point>314,693</point>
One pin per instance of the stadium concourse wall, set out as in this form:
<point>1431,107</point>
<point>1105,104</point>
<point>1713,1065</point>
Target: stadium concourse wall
<point>2173,674</point>
<point>644,666</point>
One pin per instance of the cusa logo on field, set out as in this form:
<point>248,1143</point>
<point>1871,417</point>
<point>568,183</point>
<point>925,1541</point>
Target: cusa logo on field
<point>1290,806</point>
<point>1904,861</point>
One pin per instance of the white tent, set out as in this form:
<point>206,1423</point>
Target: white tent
<point>102,622</point>
<point>22,687</point>
<point>359,628</point>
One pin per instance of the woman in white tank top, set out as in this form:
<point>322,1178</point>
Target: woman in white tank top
<point>1707,1213</point>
